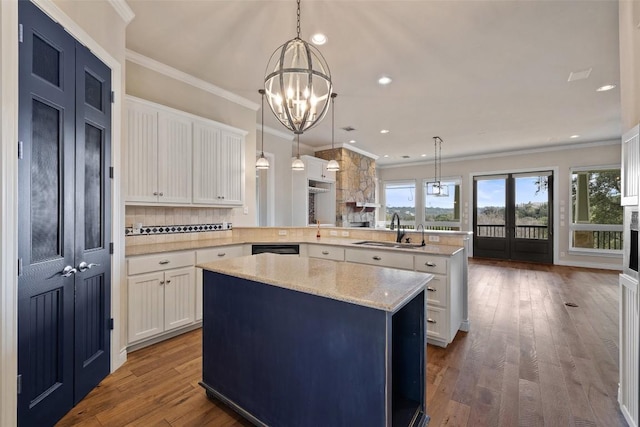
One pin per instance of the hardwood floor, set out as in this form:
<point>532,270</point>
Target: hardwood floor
<point>529,360</point>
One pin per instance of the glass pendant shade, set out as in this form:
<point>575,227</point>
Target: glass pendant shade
<point>297,164</point>
<point>333,166</point>
<point>262,162</point>
<point>298,85</point>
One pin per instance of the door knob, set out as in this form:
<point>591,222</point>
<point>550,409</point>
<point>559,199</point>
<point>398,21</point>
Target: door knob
<point>83,266</point>
<point>68,271</point>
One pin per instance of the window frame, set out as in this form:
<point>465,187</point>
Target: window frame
<point>453,225</point>
<point>415,201</point>
<point>590,227</point>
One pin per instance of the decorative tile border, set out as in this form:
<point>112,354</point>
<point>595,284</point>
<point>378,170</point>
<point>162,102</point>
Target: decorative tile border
<point>152,230</point>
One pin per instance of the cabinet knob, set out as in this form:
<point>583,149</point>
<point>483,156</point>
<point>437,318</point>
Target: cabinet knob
<point>168,281</point>
<point>161,282</point>
<point>160,194</point>
<point>155,193</point>
<point>376,257</point>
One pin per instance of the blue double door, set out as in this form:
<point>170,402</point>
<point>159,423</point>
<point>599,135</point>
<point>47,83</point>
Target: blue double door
<point>64,206</point>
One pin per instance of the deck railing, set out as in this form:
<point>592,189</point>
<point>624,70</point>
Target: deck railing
<point>593,239</point>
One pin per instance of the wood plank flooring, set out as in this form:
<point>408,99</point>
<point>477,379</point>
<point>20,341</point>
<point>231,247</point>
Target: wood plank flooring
<point>529,360</point>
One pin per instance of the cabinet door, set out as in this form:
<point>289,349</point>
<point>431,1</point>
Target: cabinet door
<point>206,142</point>
<point>630,167</point>
<point>179,297</point>
<point>174,158</point>
<point>317,169</point>
<point>231,169</point>
<point>146,305</point>
<point>142,153</point>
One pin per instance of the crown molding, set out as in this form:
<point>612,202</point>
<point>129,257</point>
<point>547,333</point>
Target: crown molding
<point>152,64</point>
<point>123,10</point>
<point>506,153</point>
<point>350,148</point>
<point>275,132</point>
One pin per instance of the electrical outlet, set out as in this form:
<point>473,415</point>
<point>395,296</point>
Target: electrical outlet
<point>246,210</point>
<point>282,232</point>
<point>345,234</point>
<point>434,238</point>
<point>333,232</point>
<point>562,254</point>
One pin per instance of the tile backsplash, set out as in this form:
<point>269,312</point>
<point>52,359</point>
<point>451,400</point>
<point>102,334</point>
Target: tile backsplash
<point>157,224</point>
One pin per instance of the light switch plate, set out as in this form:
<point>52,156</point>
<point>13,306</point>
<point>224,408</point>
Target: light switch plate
<point>345,234</point>
<point>333,232</point>
<point>434,238</point>
<point>282,232</point>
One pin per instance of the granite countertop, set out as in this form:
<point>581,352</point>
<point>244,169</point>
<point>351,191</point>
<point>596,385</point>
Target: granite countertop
<point>333,241</point>
<point>380,288</point>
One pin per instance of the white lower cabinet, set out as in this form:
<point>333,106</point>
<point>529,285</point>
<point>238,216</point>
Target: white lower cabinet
<point>210,255</point>
<point>629,387</point>
<point>161,294</point>
<point>382,258</point>
<point>333,253</point>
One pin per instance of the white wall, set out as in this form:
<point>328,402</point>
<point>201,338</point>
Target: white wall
<point>279,143</point>
<point>600,154</point>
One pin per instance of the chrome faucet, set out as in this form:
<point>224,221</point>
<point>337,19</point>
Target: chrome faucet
<point>400,234</point>
<point>418,228</point>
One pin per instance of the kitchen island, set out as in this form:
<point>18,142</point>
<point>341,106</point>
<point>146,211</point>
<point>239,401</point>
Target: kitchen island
<point>294,341</point>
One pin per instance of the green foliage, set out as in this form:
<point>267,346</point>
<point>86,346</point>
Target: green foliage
<point>604,197</point>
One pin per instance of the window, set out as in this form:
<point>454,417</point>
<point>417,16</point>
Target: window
<point>442,212</point>
<point>400,198</point>
<point>596,213</point>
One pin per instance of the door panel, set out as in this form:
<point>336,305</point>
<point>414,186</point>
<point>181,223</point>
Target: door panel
<point>46,214</point>
<point>51,220</point>
<point>512,217</point>
<point>92,223</point>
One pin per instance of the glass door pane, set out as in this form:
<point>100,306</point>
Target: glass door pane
<point>491,206</point>
<point>531,207</point>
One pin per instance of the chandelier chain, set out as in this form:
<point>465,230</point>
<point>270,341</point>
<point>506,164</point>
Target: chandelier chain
<point>298,17</point>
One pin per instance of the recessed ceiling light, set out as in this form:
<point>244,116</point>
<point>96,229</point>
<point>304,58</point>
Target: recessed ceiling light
<point>384,131</point>
<point>386,155</point>
<point>353,141</point>
<point>605,88</point>
<point>318,39</point>
<point>384,80</point>
<point>574,136</point>
<point>423,155</point>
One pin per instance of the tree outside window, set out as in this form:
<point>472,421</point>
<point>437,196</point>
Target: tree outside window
<point>596,213</point>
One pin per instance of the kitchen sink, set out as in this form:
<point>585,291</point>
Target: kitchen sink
<point>381,244</point>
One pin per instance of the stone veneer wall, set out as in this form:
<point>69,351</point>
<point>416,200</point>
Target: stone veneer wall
<point>355,182</point>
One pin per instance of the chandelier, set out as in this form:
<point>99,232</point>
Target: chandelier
<point>435,187</point>
<point>298,84</point>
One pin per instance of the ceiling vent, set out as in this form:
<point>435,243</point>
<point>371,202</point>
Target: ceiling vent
<point>579,75</point>
<point>348,128</point>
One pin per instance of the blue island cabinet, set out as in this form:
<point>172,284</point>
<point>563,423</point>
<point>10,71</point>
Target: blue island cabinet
<point>283,357</point>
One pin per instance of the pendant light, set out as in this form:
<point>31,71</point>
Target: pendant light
<point>298,83</point>
<point>333,165</point>
<point>436,188</point>
<point>262,162</point>
<point>297,164</point>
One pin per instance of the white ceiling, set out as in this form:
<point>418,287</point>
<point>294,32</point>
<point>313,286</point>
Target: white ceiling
<point>486,76</point>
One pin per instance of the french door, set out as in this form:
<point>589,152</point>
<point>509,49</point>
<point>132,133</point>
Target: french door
<point>64,207</point>
<point>512,216</point>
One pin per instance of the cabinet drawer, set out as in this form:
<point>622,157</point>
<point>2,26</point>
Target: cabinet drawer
<point>222,252</point>
<point>381,258</point>
<point>326,252</point>
<point>149,263</point>
<point>436,326</point>
<point>431,264</point>
<point>437,290</point>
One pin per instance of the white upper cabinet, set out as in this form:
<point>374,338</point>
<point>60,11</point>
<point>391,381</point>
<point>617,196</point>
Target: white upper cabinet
<point>317,169</point>
<point>176,158</point>
<point>630,167</point>
<point>218,165</point>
